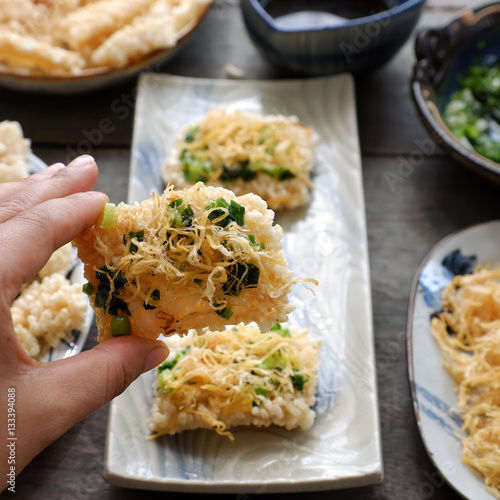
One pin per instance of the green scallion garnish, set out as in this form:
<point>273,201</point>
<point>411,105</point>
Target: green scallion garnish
<point>236,212</point>
<point>262,391</point>
<point>225,313</point>
<point>191,133</point>
<point>259,246</point>
<point>139,236</point>
<point>120,326</point>
<point>298,381</point>
<point>88,288</point>
<point>108,216</point>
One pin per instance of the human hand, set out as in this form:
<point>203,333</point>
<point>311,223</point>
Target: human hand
<point>37,216</point>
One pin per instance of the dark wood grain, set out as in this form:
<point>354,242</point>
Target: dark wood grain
<point>415,195</point>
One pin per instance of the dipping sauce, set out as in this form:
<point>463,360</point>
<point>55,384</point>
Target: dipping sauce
<point>473,112</point>
<point>320,13</point>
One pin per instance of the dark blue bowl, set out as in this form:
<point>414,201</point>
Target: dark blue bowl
<point>442,54</point>
<point>355,46</point>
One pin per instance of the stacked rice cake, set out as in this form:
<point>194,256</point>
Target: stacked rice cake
<point>190,259</point>
<point>235,377</point>
<point>271,156</point>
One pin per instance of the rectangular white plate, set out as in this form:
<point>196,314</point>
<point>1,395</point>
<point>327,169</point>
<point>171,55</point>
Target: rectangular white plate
<point>325,240</point>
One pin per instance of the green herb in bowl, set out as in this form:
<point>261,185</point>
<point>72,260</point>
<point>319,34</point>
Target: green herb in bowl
<point>473,112</point>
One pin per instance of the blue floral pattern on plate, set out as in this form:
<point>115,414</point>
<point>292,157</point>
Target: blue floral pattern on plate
<point>433,389</point>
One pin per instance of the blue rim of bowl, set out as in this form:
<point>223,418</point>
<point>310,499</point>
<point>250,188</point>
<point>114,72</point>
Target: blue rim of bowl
<point>421,90</point>
<point>385,14</point>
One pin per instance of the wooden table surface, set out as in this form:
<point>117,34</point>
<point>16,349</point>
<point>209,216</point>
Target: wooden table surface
<point>404,220</point>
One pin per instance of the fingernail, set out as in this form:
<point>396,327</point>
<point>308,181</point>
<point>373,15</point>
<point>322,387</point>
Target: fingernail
<point>104,198</point>
<point>82,161</point>
<point>50,170</point>
<point>155,357</point>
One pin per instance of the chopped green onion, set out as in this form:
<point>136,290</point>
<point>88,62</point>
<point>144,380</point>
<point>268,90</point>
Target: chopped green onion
<point>219,202</point>
<point>195,169</point>
<point>472,112</point>
<point>120,326</point>
<point>105,274</point>
<point>240,275</point>
<point>276,362</point>
<point>187,214</point>
<point>176,203</point>
<point>279,172</point>
<point>139,236</point>
<point>237,213</point>
<point>101,297</point>
<point>225,313</point>
<point>108,216</point>
<point>284,332</point>
<point>217,214</point>
<point>169,364</point>
<point>262,391</point>
<point>183,216</point>
<point>88,288</point>
<point>191,133</point>
<point>165,376</point>
<point>298,381</point>
<point>177,220</point>
<point>116,305</point>
<point>238,169</point>
<point>251,239</point>
<point>155,295</point>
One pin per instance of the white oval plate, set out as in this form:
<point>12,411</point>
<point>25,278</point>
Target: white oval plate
<point>68,346</point>
<point>433,389</point>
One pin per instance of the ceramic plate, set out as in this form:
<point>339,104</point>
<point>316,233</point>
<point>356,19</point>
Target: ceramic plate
<point>433,388</point>
<point>73,345</point>
<point>325,240</point>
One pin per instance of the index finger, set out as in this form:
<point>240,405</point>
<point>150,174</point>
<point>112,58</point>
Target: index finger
<point>29,238</point>
<point>54,182</point>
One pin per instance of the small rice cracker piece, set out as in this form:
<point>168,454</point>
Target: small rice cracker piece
<point>20,11</point>
<point>186,12</point>
<point>271,156</point>
<point>192,258</point>
<point>235,377</point>
<point>31,17</point>
<point>158,29</point>
<point>46,312</point>
<point>14,149</point>
<point>86,28</point>
<point>61,261</point>
<point>22,51</point>
<point>147,33</point>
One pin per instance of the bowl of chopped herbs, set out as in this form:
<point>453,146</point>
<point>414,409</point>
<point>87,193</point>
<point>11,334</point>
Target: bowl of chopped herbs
<point>456,86</point>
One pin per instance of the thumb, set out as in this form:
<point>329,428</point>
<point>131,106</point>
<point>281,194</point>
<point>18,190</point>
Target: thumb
<point>93,378</point>
<point>71,389</point>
